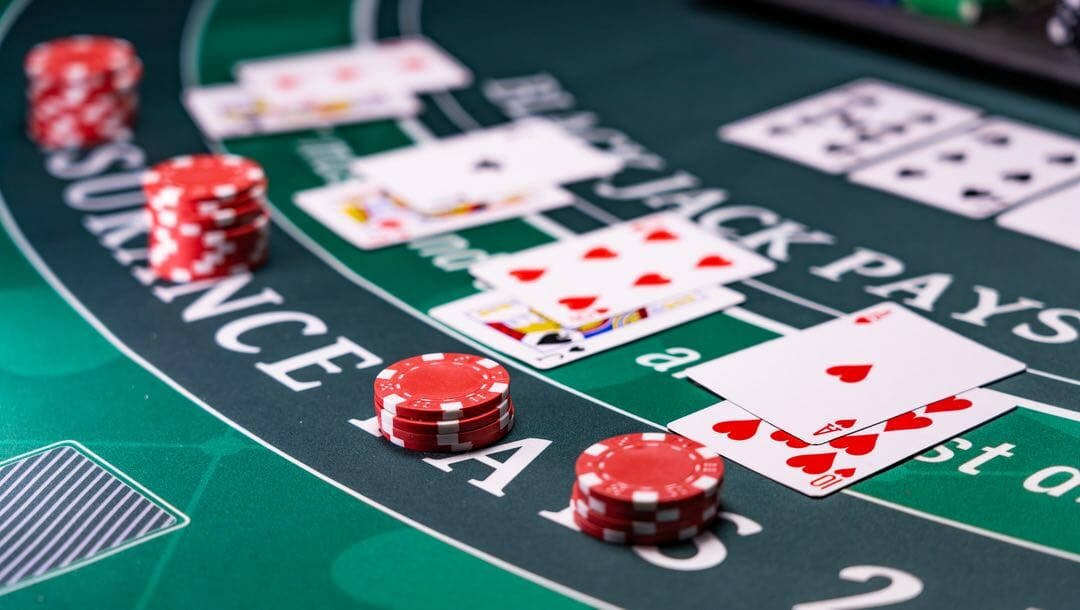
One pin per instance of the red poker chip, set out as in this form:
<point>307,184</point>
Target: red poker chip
<point>180,272</point>
<point>697,517</point>
<point>78,59</point>
<point>625,512</point>
<point>182,180</point>
<point>428,446</point>
<point>194,222</point>
<point>439,386</point>
<point>450,438</point>
<point>446,426</point>
<point>649,471</point>
<point>623,537</point>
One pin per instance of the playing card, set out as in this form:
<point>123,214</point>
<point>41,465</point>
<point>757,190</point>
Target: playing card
<point>487,164</point>
<point>1055,218</point>
<point>364,215</point>
<point>222,111</point>
<point>852,372</point>
<point>228,111</point>
<point>499,320</point>
<point>621,268</point>
<point>849,125</point>
<point>818,470</point>
<point>980,172</point>
<point>336,77</point>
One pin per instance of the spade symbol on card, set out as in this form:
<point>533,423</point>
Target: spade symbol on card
<point>836,426</point>
<point>911,172</point>
<point>487,165</point>
<point>849,373</point>
<point>994,139</point>
<point>1061,159</point>
<point>836,149</point>
<point>977,193</point>
<point>953,157</point>
<point>1018,176</point>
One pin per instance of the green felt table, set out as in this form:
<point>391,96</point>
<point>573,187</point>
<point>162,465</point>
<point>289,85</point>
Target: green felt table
<point>283,503</point>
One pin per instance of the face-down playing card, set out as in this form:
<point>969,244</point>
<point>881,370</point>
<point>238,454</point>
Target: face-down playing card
<point>849,125</point>
<point>846,374</point>
<point>818,470</point>
<point>618,269</point>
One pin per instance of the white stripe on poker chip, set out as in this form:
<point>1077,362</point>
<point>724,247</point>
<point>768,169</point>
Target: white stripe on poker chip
<point>487,363</point>
<point>432,357</point>
<point>644,500</point>
<point>644,527</point>
<point>224,190</point>
<point>596,449</point>
<point>653,436</point>
<point>588,480</point>
<point>706,483</point>
<point>498,387</point>
<point>391,402</point>
<point>613,535</point>
<point>386,374</point>
<point>707,453</point>
<point>451,409</point>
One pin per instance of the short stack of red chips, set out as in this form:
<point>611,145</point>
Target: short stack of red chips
<point>208,217</point>
<point>650,488</point>
<point>82,91</point>
<point>444,402</point>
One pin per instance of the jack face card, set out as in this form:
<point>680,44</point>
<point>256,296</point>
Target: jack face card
<point>621,268</point>
<point>1055,218</point>
<point>980,172</point>
<point>847,126</point>
<point>841,376</point>
<point>486,164</point>
<point>510,326</point>
<point>819,470</point>
<point>364,215</point>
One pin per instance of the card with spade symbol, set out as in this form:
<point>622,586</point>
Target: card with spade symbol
<point>819,470</point>
<point>502,322</point>
<point>980,172</point>
<point>591,277</point>
<point>495,163</point>
<point>839,129</point>
<point>844,375</point>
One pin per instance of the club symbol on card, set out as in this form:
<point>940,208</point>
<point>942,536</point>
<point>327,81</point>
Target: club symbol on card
<point>813,463</point>
<point>787,439</point>
<point>951,403</point>
<point>652,279</point>
<point>836,426</point>
<point>600,252</point>
<point>487,165</point>
<point>738,429</point>
<point>907,421</point>
<point>855,444</point>
<point>849,373</point>
<point>527,275</point>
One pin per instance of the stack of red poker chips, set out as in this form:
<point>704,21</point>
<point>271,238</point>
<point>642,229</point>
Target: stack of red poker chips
<point>444,402</point>
<point>208,217</point>
<point>83,91</point>
<point>649,488</point>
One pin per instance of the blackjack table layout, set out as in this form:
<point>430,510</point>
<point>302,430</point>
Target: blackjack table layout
<point>172,437</point>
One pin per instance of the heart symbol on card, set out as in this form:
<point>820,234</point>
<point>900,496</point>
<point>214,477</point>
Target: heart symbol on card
<point>855,444</point>
<point>787,439</point>
<point>849,373</point>
<point>527,275</point>
<point>652,279</point>
<point>577,303</point>
<point>738,429</point>
<point>813,463</point>
<point>714,260</point>
<point>600,252</point>
<point>907,421</point>
<point>845,472</point>
<point>951,403</point>
<point>661,235</point>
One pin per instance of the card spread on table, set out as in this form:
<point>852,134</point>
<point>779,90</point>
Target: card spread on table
<point>593,276</point>
<point>980,172</point>
<point>229,111</point>
<point>1055,218</point>
<point>503,322</point>
<point>364,215</point>
<point>338,76</point>
<point>849,125</point>
<point>846,374</point>
<point>493,163</point>
<point>818,470</point>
